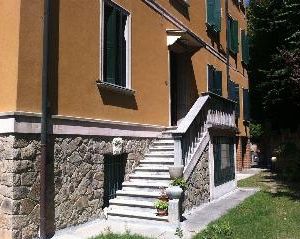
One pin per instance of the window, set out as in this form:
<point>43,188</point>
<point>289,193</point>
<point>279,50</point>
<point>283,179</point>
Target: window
<point>213,15</point>
<point>245,47</point>
<point>115,45</point>
<point>233,42</point>
<point>214,80</point>
<point>246,104</point>
<point>224,169</point>
<point>233,94</point>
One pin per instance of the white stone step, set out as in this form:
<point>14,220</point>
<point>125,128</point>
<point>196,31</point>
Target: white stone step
<point>159,155</point>
<point>131,203</point>
<point>149,176</point>
<point>161,161</point>
<point>144,185</point>
<point>134,208</point>
<point>161,149</point>
<point>147,168</point>
<point>138,193</point>
<point>154,184</point>
<point>164,140</point>
<point>137,214</point>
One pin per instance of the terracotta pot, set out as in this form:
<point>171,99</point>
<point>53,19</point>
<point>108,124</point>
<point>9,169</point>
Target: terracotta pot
<point>161,212</point>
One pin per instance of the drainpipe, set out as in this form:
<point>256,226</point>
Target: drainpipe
<point>44,121</point>
<point>227,46</point>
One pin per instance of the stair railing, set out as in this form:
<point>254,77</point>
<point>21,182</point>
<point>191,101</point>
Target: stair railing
<point>209,111</point>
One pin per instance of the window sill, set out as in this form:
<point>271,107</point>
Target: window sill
<point>115,88</point>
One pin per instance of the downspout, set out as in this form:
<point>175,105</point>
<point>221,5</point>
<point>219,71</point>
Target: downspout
<point>44,121</point>
<point>227,46</point>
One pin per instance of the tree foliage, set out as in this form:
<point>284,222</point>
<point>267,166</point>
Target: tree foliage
<point>274,70</point>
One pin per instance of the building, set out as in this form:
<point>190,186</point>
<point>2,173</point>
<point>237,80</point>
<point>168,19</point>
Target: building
<point>135,86</point>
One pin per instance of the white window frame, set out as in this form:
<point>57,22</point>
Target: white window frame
<point>128,45</point>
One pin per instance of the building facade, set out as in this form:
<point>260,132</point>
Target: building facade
<point>135,86</point>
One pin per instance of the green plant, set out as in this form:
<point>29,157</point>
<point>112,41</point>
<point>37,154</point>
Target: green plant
<point>256,131</point>
<point>179,182</point>
<point>161,205</point>
<point>179,232</point>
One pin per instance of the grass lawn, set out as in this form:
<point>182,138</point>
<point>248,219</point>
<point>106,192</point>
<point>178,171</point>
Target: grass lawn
<point>274,212</point>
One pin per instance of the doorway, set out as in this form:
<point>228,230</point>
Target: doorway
<point>114,172</point>
<point>183,87</point>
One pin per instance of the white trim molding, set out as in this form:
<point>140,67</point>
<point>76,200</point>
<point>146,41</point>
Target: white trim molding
<point>26,122</point>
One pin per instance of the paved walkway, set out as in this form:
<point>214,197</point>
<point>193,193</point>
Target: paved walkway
<point>249,173</point>
<point>196,220</point>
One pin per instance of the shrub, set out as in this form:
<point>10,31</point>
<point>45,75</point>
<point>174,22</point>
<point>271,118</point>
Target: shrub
<point>256,131</point>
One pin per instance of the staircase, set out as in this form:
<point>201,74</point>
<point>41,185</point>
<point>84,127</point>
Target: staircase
<point>182,145</point>
<point>138,195</point>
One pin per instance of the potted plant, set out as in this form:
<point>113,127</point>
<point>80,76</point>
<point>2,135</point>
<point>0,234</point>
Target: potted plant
<point>161,207</point>
<point>175,190</point>
<point>181,182</point>
<point>163,195</point>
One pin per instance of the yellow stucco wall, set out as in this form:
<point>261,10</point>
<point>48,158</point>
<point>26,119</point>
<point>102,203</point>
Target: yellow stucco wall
<point>9,46</point>
<point>76,57</point>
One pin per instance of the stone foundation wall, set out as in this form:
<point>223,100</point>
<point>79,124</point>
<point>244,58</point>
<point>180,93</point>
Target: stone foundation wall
<point>75,176</point>
<point>198,187</point>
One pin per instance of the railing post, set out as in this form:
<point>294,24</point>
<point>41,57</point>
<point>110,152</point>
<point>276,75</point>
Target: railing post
<point>178,160</point>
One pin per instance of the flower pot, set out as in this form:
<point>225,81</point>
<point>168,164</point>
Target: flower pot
<point>162,212</point>
<point>176,171</point>
<point>174,192</point>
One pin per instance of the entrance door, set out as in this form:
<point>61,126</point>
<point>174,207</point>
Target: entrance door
<point>114,172</point>
<point>183,88</point>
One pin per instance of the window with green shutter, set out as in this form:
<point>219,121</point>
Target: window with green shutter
<point>214,14</point>
<point>234,95</point>
<point>214,80</point>
<point>115,44</point>
<point>245,47</point>
<point>223,151</point>
<point>233,39</point>
<point>246,104</point>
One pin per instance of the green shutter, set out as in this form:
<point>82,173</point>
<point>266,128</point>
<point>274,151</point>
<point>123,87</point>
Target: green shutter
<point>233,94</point>
<point>218,82</point>
<point>245,47</point>
<point>217,16</point>
<point>110,44</point>
<point>210,80</point>
<point>246,104</point>
<point>237,99</point>
<point>243,40</point>
<point>210,5</point>
<point>229,35</point>
<point>235,36</point>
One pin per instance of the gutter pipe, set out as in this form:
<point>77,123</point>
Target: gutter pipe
<point>44,121</point>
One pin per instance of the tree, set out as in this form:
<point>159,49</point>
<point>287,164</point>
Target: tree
<point>274,70</point>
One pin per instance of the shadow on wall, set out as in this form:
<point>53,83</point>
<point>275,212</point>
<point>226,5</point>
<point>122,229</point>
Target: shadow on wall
<point>181,7</point>
<point>114,98</point>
